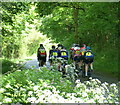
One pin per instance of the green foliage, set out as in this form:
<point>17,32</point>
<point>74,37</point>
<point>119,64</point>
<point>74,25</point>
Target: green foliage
<point>12,26</point>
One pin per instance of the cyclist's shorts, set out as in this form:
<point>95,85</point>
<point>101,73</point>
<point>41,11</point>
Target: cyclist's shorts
<point>77,58</point>
<point>88,60</point>
<point>81,58</point>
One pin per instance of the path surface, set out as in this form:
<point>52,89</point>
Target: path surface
<point>34,64</point>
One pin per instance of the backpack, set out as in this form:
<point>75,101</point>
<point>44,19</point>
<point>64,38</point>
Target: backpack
<point>88,54</point>
<point>42,52</point>
<point>54,53</point>
<point>64,54</point>
<point>82,51</point>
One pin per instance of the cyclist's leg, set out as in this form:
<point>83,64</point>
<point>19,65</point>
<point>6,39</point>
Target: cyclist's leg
<point>74,62</point>
<point>91,63</point>
<point>40,62</point>
<point>50,60</point>
<point>80,63</point>
<point>77,62</point>
<point>86,69</point>
<point>91,66</point>
<point>44,61</point>
<point>86,61</point>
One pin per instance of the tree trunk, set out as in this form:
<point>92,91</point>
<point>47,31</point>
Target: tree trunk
<point>75,17</point>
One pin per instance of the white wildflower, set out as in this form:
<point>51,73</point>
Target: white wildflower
<point>2,90</point>
<point>47,92</point>
<point>90,78</point>
<point>77,81</point>
<point>113,85</point>
<point>93,80</point>
<point>96,96</point>
<point>78,85</point>
<point>30,92</point>
<point>88,83</point>
<point>106,83</point>
<point>18,70</point>
<point>68,94</point>
<point>23,89</point>
<point>98,81</point>
<point>6,100</point>
<point>35,88</point>
<point>87,90</point>
<point>8,86</point>
<point>84,94</point>
<point>98,91</point>
<point>45,84</point>
<point>31,99</point>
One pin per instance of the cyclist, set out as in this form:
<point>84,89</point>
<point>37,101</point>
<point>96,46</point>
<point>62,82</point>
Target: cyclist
<point>58,49</point>
<point>72,52</point>
<point>64,55</point>
<point>82,51</point>
<point>41,55</point>
<point>53,53</point>
<point>88,59</point>
<point>76,58</point>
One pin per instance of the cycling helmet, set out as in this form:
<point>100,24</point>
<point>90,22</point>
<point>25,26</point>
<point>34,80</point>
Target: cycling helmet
<point>77,45</point>
<point>59,45</point>
<point>88,48</point>
<point>41,45</point>
<point>53,47</point>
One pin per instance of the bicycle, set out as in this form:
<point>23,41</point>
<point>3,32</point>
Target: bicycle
<point>61,67</point>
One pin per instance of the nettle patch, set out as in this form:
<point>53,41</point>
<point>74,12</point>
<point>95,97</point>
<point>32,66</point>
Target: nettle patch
<point>45,86</point>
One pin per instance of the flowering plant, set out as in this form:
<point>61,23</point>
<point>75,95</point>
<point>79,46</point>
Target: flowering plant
<point>45,86</point>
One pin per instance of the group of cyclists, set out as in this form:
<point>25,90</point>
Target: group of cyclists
<point>80,55</point>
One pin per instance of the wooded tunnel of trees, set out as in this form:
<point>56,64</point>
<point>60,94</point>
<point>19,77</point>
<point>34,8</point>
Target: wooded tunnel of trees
<point>25,25</point>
